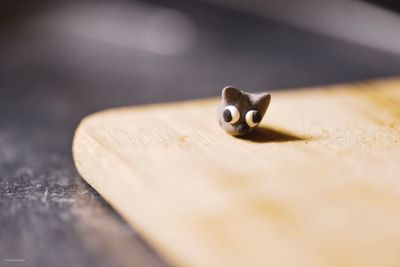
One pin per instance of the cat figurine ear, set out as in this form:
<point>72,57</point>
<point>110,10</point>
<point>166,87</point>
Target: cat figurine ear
<point>230,93</point>
<point>262,101</point>
<point>240,112</point>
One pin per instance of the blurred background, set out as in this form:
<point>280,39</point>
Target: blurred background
<point>62,60</point>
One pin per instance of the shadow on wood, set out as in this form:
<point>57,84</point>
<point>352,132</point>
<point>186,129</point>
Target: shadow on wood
<point>266,135</point>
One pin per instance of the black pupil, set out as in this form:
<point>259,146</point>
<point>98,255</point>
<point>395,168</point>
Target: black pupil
<point>227,115</point>
<point>257,117</point>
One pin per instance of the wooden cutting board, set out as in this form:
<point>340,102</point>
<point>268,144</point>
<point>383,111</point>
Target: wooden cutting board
<point>317,185</point>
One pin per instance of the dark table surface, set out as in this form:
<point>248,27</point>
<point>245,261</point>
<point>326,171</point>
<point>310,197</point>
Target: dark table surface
<point>50,78</point>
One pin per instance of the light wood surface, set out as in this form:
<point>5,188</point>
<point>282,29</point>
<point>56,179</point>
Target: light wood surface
<point>317,185</point>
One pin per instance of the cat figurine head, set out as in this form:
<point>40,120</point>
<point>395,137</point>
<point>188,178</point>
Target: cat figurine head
<point>240,112</point>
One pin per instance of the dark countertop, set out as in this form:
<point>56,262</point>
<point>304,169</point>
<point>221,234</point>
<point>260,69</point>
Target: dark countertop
<point>51,78</point>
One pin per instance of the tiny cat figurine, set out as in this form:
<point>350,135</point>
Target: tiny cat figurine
<point>240,112</point>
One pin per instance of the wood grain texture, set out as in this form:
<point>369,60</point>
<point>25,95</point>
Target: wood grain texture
<point>317,185</point>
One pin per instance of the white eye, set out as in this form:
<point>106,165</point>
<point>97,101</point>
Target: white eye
<point>231,114</point>
<point>253,118</point>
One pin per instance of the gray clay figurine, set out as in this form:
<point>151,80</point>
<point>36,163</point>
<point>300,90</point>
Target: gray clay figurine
<point>240,112</point>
